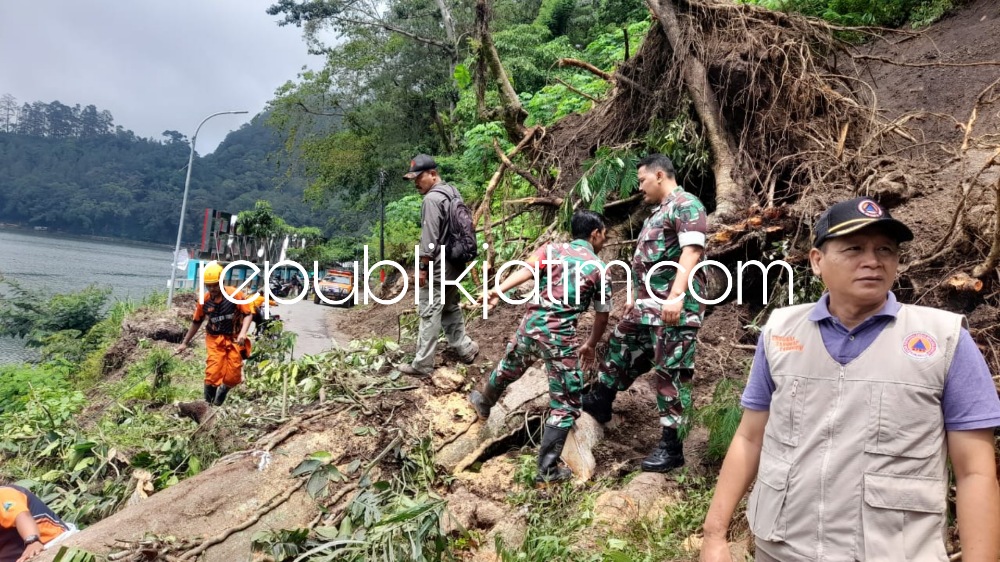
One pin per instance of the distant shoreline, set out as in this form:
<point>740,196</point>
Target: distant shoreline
<point>27,230</point>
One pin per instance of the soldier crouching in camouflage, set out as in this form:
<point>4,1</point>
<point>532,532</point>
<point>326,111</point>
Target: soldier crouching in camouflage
<point>570,278</point>
<point>650,334</point>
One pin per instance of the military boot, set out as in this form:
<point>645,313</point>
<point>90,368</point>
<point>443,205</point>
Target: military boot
<point>598,402</point>
<point>549,471</point>
<point>220,396</point>
<point>483,401</point>
<point>667,455</point>
<point>210,393</point>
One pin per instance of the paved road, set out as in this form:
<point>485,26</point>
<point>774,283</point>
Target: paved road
<point>311,322</point>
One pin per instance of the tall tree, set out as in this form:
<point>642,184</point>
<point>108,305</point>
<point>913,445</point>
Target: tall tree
<point>62,123</point>
<point>33,120</point>
<point>8,113</point>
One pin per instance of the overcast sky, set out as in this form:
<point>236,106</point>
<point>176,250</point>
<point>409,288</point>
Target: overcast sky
<point>154,64</point>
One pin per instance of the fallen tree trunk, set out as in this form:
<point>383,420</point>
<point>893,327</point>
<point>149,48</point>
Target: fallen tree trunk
<point>728,191</point>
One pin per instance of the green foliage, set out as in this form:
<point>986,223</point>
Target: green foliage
<point>555,515</point>
<point>18,381</point>
<point>681,140</point>
<point>607,50</point>
<point>662,537</point>
<point>883,13</point>
<point>609,172</point>
<point>120,185</point>
<point>70,554</point>
<point>722,417</point>
<point>32,315</point>
<point>402,229</point>
<point>154,371</point>
<point>555,15</point>
<point>280,545</point>
<point>261,221</point>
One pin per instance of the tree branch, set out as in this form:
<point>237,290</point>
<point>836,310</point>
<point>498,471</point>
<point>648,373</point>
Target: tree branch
<point>573,89</point>
<point>521,172</point>
<point>613,78</point>
<point>450,49</point>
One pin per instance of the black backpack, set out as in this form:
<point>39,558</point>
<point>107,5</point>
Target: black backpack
<point>460,233</point>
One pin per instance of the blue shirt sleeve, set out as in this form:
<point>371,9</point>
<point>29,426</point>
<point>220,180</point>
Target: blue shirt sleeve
<point>970,397</point>
<point>760,386</point>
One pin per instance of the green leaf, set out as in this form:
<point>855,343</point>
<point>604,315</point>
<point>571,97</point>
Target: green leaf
<point>51,476</point>
<point>585,189</point>
<point>462,77</point>
<point>335,475</point>
<point>408,514</point>
<point>316,486</point>
<point>321,456</point>
<point>617,544</point>
<point>328,533</point>
<point>354,466</point>
<point>306,467</point>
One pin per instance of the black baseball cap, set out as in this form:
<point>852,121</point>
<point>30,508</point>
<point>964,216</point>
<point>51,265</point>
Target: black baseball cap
<point>420,163</point>
<point>851,216</point>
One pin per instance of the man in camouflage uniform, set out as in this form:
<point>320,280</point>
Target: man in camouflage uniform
<point>570,280</point>
<point>651,334</point>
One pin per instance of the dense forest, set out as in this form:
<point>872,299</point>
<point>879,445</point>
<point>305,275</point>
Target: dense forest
<point>74,170</point>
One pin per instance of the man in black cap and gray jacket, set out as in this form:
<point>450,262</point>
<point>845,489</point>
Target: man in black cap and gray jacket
<point>443,311</point>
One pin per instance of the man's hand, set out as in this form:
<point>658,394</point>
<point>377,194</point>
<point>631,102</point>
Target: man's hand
<point>240,340</point>
<point>422,277</point>
<point>587,353</point>
<point>671,312</point>
<point>715,549</point>
<point>31,551</point>
<point>491,298</point>
<point>181,349</point>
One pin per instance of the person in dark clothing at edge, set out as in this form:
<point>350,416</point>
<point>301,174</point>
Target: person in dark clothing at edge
<point>570,279</point>
<point>443,311</point>
<point>651,334</point>
<point>27,525</point>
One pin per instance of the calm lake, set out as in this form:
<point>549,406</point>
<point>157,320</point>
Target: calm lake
<point>61,264</point>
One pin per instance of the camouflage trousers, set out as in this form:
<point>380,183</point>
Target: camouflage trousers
<point>636,348</point>
<point>562,366</point>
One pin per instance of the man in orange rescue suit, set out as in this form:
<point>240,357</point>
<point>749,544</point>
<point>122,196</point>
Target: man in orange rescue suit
<point>226,335</point>
<point>27,525</point>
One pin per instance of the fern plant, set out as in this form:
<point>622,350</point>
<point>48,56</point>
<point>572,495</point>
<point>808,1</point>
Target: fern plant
<point>611,171</point>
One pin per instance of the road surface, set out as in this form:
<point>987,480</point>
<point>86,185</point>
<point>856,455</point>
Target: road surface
<point>311,322</point>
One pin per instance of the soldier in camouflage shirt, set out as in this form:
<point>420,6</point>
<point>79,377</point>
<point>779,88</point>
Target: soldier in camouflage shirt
<point>571,278</point>
<point>651,334</point>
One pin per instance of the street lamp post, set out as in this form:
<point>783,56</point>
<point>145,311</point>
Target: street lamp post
<point>184,200</point>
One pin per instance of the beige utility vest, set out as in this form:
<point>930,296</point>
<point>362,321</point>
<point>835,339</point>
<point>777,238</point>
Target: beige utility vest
<point>853,461</point>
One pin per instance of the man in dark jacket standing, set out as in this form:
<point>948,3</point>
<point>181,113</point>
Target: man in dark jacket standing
<point>436,310</point>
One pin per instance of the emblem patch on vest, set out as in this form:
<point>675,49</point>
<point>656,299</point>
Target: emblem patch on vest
<point>787,343</point>
<point>920,344</point>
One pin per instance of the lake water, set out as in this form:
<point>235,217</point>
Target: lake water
<point>61,264</point>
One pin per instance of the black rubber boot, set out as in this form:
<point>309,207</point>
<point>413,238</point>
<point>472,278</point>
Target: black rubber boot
<point>483,401</point>
<point>598,402</point>
<point>667,455</point>
<point>210,393</point>
<point>549,471</point>
<point>220,396</point>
